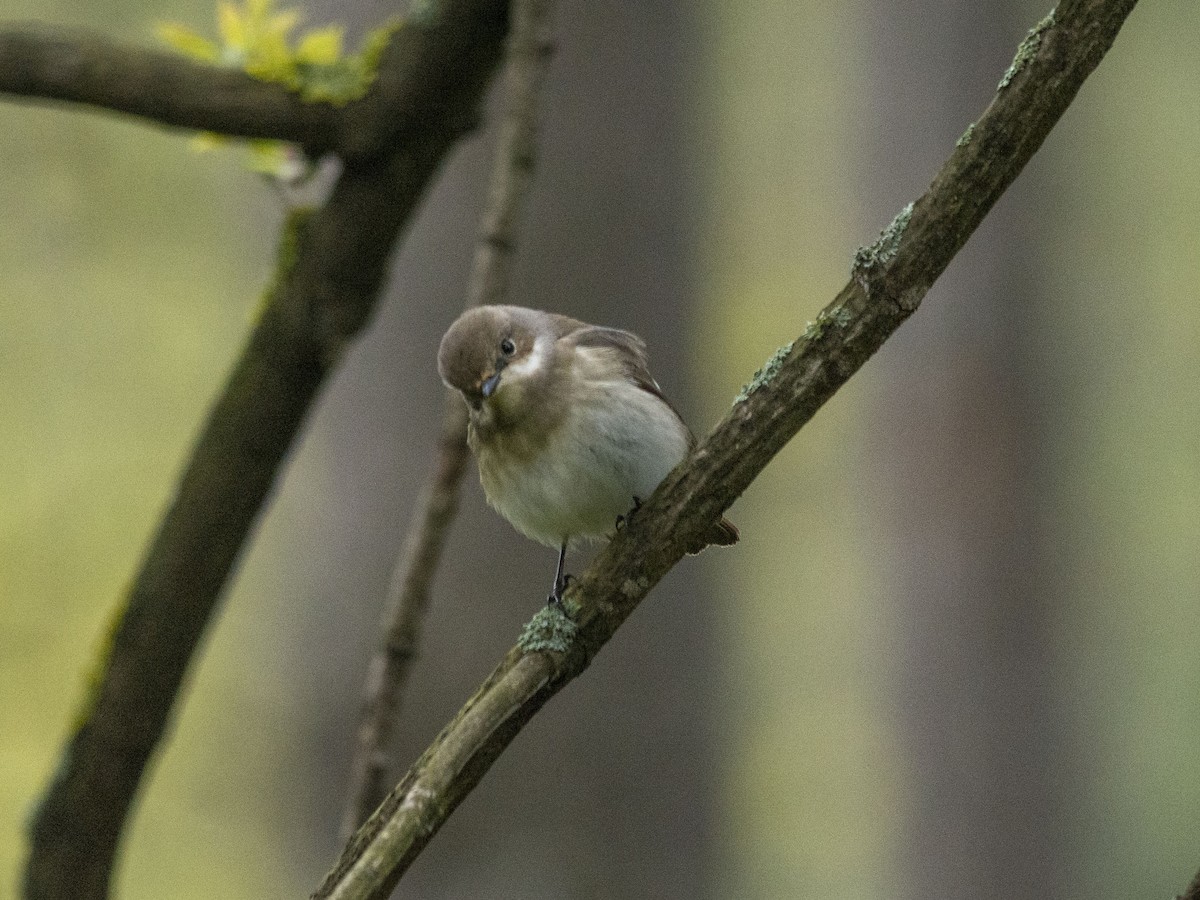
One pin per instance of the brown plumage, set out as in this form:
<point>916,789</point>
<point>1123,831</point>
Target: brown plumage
<point>568,426</point>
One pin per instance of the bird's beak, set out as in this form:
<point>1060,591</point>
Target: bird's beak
<point>489,385</point>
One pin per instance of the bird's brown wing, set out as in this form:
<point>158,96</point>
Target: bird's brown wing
<point>631,350</point>
<point>723,534</point>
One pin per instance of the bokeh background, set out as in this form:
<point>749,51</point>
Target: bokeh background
<point>954,654</point>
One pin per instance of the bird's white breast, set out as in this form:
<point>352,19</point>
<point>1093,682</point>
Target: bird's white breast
<point>617,442</point>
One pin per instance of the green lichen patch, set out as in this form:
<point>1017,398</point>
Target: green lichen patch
<point>764,375</point>
<point>831,315</point>
<point>423,12</point>
<point>966,136</point>
<point>97,670</point>
<point>288,253</point>
<point>549,631</point>
<point>634,588</point>
<point>883,251</point>
<point>292,233</point>
<point>1027,50</point>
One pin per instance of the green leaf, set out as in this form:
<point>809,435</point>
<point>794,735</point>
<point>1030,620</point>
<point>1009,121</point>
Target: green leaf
<point>322,47</point>
<point>188,42</point>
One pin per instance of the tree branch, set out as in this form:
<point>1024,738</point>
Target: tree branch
<point>41,63</point>
<point>1192,891</point>
<point>332,265</point>
<point>408,596</point>
<point>403,621</point>
<point>888,282</point>
<point>426,69</point>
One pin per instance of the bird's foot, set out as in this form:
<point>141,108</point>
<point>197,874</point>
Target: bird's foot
<point>555,599</point>
<point>625,519</point>
<point>554,603</point>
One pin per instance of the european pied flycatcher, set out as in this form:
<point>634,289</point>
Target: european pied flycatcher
<point>570,430</point>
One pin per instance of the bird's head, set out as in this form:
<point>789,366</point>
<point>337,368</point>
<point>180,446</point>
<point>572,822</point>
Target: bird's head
<point>492,353</point>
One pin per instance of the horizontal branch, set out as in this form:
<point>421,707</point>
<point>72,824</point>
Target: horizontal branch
<point>41,63</point>
<point>426,69</point>
<point>888,282</point>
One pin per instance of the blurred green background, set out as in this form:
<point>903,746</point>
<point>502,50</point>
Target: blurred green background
<point>954,653</point>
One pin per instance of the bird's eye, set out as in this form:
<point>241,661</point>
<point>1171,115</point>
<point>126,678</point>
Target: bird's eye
<point>507,347</point>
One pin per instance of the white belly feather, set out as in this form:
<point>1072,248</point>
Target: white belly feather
<point>617,446</point>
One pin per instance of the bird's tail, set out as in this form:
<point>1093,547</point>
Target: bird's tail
<point>722,534</point>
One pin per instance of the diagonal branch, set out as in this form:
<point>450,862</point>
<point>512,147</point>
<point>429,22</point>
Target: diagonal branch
<point>408,596</point>
<point>332,265</point>
<point>888,282</point>
<point>40,63</point>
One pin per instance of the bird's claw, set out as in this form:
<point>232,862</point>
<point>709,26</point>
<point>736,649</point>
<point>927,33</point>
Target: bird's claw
<point>555,598</point>
<point>626,518</point>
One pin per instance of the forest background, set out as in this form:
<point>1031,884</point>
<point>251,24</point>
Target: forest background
<point>952,656</point>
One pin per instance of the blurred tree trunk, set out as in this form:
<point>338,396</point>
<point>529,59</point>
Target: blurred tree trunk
<point>806,805</point>
<point>960,443</point>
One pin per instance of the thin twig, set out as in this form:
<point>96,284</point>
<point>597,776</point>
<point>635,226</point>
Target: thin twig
<point>888,282</point>
<point>528,56</point>
<point>530,52</point>
<point>332,265</point>
<point>408,598</point>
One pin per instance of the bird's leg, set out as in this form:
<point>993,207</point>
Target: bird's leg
<point>624,520</point>
<point>560,579</point>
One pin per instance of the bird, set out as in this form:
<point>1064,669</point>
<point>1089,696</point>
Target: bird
<point>569,429</point>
